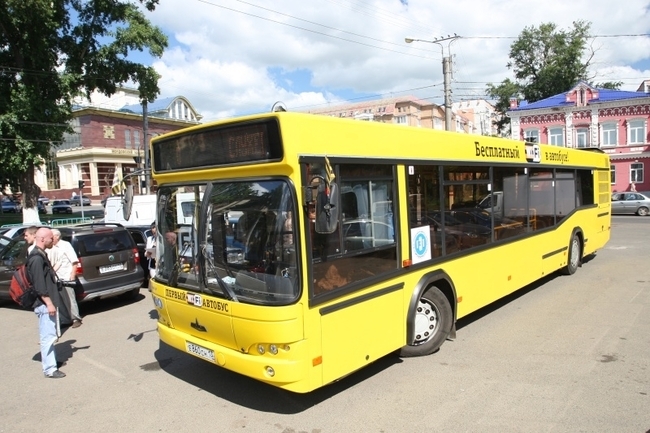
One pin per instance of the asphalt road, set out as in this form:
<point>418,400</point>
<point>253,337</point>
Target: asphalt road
<point>570,354</point>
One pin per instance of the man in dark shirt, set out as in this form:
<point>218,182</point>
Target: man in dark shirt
<point>43,279</point>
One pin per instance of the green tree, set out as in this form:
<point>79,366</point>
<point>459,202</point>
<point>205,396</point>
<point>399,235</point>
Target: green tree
<point>52,51</point>
<point>503,93</point>
<point>545,61</point>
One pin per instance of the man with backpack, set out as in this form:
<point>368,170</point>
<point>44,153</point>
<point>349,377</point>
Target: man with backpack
<point>43,278</point>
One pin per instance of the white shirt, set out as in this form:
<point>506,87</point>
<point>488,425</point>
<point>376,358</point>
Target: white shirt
<point>63,259</point>
<point>151,245</point>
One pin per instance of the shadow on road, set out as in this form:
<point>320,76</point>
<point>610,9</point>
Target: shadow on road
<point>251,393</point>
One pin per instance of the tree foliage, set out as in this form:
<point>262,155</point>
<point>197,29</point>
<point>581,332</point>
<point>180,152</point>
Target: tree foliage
<point>545,61</point>
<point>502,93</point>
<point>52,51</point>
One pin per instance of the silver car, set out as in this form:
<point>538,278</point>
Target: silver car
<point>630,203</point>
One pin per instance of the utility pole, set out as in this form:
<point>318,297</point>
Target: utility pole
<point>446,71</point>
<point>145,132</point>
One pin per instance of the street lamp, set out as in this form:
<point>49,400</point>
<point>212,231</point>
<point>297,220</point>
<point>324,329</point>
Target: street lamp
<point>446,71</point>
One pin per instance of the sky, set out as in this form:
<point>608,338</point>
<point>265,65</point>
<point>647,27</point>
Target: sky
<point>235,57</point>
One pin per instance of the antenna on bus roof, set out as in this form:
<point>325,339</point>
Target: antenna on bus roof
<point>278,107</point>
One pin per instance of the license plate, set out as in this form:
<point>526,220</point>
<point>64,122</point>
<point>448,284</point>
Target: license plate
<point>111,268</point>
<point>199,351</point>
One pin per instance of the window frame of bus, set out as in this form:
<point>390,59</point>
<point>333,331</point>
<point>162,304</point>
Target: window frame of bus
<point>190,150</point>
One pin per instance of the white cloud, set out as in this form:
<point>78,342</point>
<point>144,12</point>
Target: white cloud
<point>222,54</point>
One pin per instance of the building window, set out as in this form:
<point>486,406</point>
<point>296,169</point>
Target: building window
<point>582,137</point>
<point>127,138</point>
<point>531,135</point>
<point>636,172</point>
<point>636,131</point>
<point>437,123</point>
<point>556,136</point>
<point>136,139</point>
<point>401,120</point>
<point>612,174</point>
<point>582,98</point>
<point>610,134</point>
<point>52,172</point>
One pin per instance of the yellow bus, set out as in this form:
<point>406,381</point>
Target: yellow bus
<point>308,247</point>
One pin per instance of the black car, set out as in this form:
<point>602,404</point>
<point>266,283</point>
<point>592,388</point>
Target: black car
<point>41,208</point>
<point>61,206</point>
<point>109,261</point>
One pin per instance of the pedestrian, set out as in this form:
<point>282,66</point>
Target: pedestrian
<point>64,261</point>
<point>632,187</point>
<point>29,234</point>
<point>43,278</point>
<point>150,251</point>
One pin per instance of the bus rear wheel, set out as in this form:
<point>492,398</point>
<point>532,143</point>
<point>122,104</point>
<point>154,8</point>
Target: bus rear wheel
<point>575,250</point>
<point>432,322</point>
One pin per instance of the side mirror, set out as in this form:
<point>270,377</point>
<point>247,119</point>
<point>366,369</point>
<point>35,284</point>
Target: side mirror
<point>127,202</point>
<point>327,208</point>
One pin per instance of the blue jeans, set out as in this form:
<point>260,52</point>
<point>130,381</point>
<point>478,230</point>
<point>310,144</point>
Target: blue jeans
<point>47,334</point>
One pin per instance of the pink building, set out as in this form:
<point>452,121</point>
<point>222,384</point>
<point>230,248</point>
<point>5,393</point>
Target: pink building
<point>613,121</point>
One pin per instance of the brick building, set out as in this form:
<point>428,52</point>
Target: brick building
<point>587,117</point>
<point>468,116</point>
<point>107,140</point>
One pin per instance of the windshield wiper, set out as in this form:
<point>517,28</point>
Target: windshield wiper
<point>225,288</point>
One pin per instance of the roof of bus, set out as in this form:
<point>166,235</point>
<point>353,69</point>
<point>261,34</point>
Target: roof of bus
<point>306,134</point>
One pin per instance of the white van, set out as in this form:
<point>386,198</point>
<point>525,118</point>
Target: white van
<point>143,212</point>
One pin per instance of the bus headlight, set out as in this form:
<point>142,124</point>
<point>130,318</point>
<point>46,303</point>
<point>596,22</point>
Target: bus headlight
<point>260,349</point>
<point>273,349</point>
<point>270,371</point>
<point>157,302</point>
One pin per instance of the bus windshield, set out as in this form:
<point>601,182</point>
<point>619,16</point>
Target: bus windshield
<point>234,240</point>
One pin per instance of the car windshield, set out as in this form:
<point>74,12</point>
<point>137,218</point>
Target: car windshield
<point>236,242</point>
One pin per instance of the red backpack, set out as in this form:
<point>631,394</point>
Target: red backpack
<point>21,289</point>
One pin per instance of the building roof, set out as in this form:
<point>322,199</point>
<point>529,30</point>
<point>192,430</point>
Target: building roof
<point>164,107</point>
<point>600,96</point>
<point>381,106</point>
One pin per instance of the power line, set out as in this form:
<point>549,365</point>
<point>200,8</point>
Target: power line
<point>317,32</point>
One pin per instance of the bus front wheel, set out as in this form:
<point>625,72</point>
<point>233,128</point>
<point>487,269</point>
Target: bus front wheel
<point>432,322</point>
<point>575,250</point>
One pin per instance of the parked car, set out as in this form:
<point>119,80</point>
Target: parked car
<point>18,230</point>
<point>43,199</point>
<point>4,241</point>
<point>41,207</point>
<point>77,200</point>
<point>10,205</point>
<point>61,206</point>
<point>109,262</point>
<point>630,203</point>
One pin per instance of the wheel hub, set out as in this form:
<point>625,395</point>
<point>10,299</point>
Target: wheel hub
<point>426,322</point>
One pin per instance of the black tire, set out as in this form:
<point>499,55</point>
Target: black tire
<point>573,259</point>
<point>432,321</point>
<point>642,211</point>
